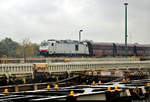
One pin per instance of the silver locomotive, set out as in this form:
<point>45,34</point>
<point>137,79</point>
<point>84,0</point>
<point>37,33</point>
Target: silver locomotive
<point>63,47</point>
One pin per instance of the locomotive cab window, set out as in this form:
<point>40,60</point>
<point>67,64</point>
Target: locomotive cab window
<point>44,44</point>
<point>76,47</point>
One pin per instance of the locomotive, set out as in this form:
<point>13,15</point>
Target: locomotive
<point>89,48</point>
<point>64,47</point>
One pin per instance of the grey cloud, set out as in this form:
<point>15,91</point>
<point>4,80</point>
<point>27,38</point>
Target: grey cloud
<point>101,20</point>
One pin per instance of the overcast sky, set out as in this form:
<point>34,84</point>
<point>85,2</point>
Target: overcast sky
<point>101,20</point>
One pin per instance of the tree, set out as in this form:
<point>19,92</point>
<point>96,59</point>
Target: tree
<point>8,47</point>
<point>26,49</point>
<point>11,48</point>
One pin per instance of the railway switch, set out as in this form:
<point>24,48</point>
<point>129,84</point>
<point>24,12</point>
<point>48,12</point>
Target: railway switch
<point>71,93</point>
<point>109,89</point>
<point>5,90</point>
<point>93,83</point>
<point>56,86</point>
<point>123,80</point>
<point>148,84</point>
<point>48,87</point>
<point>99,82</point>
<point>116,88</point>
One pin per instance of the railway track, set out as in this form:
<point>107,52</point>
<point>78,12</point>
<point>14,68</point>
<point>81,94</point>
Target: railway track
<point>37,86</point>
<point>71,66</point>
<point>133,90</point>
<point>67,59</point>
<point>10,72</point>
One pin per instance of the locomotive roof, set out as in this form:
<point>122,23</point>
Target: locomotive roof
<point>65,41</point>
<point>138,45</point>
<point>103,43</point>
<point>143,45</point>
<point>98,43</point>
<point>120,44</point>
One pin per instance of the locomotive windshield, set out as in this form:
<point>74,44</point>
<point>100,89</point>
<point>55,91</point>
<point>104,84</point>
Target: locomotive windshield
<point>44,44</point>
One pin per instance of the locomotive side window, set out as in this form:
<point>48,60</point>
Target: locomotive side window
<point>76,47</point>
<point>52,44</point>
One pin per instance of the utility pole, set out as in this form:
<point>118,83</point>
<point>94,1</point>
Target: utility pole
<point>80,35</point>
<point>126,36</point>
